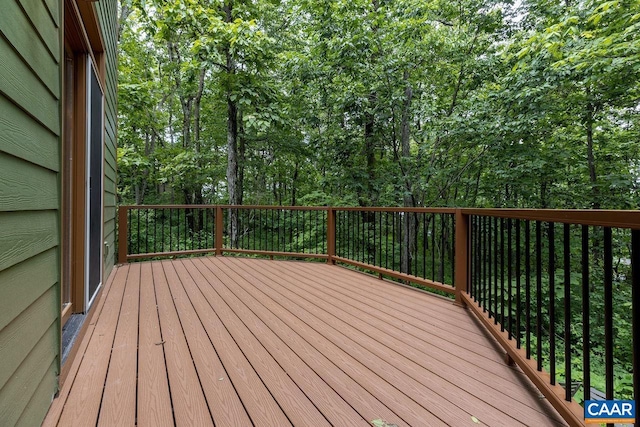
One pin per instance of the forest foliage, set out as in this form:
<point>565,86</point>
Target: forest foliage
<point>472,103</point>
<point>373,102</point>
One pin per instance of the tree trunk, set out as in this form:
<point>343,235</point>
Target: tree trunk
<point>293,186</point>
<point>242,149</point>
<point>232,136</point>
<point>125,11</point>
<point>408,241</point>
<point>232,167</point>
<point>593,177</point>
<point>370,155</point>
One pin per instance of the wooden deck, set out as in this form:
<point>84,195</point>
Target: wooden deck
<point>237,341</point>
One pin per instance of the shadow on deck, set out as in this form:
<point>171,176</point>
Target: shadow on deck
<point>237,341</point>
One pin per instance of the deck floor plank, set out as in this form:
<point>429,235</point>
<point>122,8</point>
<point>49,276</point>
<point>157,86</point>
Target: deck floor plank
<point>437,394</point>
<point>88,385</point>
<point>240,341</point>
<point>363,289</point>
<point>222,399</point>
<point>422,347</point>
<point>357,396</point>
<point>258,401</point>
<point>58,404</point>
<point>469,394</point>
<point>189,405</point>
<point>119,396</point>
<point>347,358</point>
<point>296,405</point>
<point>154,401</point>
<point>328,401</point>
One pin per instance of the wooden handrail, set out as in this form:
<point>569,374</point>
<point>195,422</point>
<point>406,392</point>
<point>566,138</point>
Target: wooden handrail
<point>601,218</point>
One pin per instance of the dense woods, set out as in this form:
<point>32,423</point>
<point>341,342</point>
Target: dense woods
<point>372,102</point>
<point>473,103</point>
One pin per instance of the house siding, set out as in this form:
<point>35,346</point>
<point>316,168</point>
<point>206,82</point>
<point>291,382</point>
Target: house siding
<point>108,18</point>
<point>29,208</point>
<point>30,199</point>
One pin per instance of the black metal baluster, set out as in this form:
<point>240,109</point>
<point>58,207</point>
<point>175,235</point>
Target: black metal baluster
<point>472,260</point>
<point>325,217</point>
<point>472,255</point>
<point>129,235</point>
<point>552,304</point>
<point>518,300</point>
<point>164,216</point>
<point>386,240</point>
<point>178,236</point>
<point>502,274</point>
<point>363,244</point>
<point>170,230</point>
<point>509,290</point>
<point>413,262</point>
<point>442,248</point>
<point>138,228</point>
<point>453,249</point>
<point>393,242</point>
<point>347,214</point>
<point>586,309</point>
<point>527,285</point>
<point>424,245</point>
<point>475,257</point>
<point>208,227</point>
<point>146,230</point>
<point>539,294</point>
<point>282,229</point>
<point>608,312</point>
<point>203,230</point>
<point>155,231</point>
<point>478,258</point>
<point>490,256</point>
<point>485,262</point>
<point>480,269</point>
<point>259,231</point>
<point>374,239</point>
<point>315,231</point>
<point>477,254</point>
<point>635,315</point>
<point>294,231</point>
<point>567,313</point>
<point>433,247</point>
<point>496,274</point>
<point>304,231</point>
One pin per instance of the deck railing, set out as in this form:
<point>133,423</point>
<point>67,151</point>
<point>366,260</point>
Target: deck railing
<point>413,244</point>
<point>558,289</point>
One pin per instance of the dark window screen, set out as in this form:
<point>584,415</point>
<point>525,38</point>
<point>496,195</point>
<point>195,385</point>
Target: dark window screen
<point>95,183</point>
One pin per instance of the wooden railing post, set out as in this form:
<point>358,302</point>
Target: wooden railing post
<point>331,235</point>
<point>219,230</point>
<point>462,255</point>
<point>122,234</point>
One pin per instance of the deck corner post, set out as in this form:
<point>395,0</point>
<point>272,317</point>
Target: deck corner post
<point>219,230</point>
<point>331,235</point>
<point>122,234</point>
<point>461,255</point>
